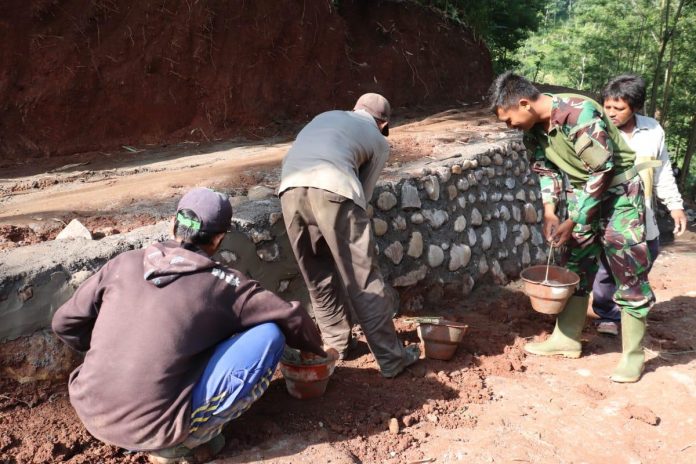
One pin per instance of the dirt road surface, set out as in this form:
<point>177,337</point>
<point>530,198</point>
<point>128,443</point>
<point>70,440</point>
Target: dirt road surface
<point>491,403</point>
<point>116,192</point>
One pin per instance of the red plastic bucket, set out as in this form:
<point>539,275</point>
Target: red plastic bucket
<point>307,379</point>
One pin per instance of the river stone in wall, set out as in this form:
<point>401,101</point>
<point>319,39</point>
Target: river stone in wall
<point>395,252</point>
<point>411,278</point>
<point>460,255</point>
<point>435,256</point>
<point>486,238</point>
<point>436,218</point>
<point>386,201</point>
<point>460,224</point>
<point>409,197</point>
<point>399,223</point>
<point>476,217</point>
<point>380,226</point>
<point>415,245</point>
<point>432,187</point>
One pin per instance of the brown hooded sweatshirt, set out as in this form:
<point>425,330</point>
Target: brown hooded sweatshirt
<point>148,321</point>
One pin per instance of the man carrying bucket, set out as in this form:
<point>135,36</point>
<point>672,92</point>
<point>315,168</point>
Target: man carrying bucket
<point>571,141</point>
<point>176,344</point>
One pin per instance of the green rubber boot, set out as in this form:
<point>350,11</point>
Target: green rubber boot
<point>565,339</point>
<point>631,365</point>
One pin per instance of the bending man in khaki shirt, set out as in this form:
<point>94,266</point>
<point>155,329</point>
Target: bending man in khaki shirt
<point>328,177</point>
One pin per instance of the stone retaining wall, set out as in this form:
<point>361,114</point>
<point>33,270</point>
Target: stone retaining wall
<point>470,213</point>
<point>35,280</point>
<point>449,224</point>
<point>439,227</point>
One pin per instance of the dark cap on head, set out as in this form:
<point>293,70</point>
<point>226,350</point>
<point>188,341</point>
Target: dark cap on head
<point>212,208</point>
<point>375,104</point>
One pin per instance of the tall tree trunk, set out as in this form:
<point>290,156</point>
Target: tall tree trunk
<point>677,151</point>
<point>688,154</point>
<point>637,48</point>
<point>667,87</point>
<point>664,27</point>
<point>666,35</point>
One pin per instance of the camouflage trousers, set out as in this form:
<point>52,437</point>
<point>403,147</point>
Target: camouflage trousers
<point>619,231</point>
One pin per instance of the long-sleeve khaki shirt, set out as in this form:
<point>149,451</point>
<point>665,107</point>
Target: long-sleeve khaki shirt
<point>339,151</point>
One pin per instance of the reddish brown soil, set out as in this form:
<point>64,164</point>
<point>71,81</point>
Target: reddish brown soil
<point>12,236</point>
<point>491,402</point>
<point>39,424</point>
<point>79,76</point>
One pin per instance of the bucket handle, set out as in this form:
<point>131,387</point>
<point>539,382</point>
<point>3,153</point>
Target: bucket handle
<point>548,262</point>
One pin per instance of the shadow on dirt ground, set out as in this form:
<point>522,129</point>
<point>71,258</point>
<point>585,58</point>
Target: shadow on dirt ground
<point>672,338</point>
<point>490,400</point>
<point>358,403</point>
<point>670,341</point>
<point>350,423</point>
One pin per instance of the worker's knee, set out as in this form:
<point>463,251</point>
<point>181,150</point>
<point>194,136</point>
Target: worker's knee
<point>268,337</point>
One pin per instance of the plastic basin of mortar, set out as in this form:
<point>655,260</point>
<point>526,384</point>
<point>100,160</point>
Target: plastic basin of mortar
<point>305,379</point>
<point>441,339</point>
<point>549,297</point>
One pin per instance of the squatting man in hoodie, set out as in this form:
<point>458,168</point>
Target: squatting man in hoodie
<point>176,344</point>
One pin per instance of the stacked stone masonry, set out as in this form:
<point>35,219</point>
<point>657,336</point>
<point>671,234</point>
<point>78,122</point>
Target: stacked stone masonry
<point>459,220</point>
<point>441,225</point>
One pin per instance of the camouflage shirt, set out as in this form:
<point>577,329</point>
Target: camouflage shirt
<point>582,145</point>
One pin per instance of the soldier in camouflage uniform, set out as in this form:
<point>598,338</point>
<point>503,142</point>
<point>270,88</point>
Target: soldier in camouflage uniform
<point>574,147</point>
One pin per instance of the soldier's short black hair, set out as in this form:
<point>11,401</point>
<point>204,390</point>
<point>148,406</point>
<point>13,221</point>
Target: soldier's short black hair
<point>508,89</point>
<point>628,87</point>
<point>189,234</point>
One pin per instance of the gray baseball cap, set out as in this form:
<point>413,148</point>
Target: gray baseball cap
<point>212,208</point>
<point>375,104</point>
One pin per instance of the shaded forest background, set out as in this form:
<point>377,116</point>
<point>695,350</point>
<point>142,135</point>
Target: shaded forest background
<point>584,43</point>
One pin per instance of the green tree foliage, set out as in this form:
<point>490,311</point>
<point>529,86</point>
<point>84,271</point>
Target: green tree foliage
<point>584,43</point>
<point>502,24</point>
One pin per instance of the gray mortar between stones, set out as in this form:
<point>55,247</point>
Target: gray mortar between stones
<point>477,209</point>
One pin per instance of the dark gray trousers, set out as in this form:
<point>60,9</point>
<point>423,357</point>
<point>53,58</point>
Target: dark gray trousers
<point>332,240</point>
